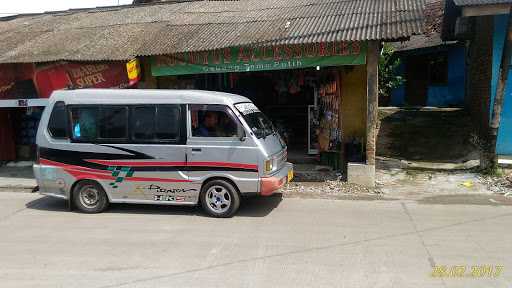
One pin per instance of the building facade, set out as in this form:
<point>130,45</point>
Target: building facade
<point>311,65</point>
<point>433,69</point>
<point>483,25</point>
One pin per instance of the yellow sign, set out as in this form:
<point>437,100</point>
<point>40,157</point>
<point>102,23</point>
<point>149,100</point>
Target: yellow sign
<point>133,69</point>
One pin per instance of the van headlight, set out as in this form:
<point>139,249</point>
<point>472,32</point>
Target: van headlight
<point>269,165</point>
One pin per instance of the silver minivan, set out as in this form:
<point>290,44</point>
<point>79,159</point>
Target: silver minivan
<point>176,147</point>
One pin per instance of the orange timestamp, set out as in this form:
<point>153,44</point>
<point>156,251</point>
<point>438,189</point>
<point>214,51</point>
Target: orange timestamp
<point>463,271</point>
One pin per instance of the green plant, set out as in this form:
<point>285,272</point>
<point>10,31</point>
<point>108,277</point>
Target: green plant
<point>493,171</point>
<point>388,66</point>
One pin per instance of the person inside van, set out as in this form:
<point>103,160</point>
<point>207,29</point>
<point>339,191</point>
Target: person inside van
<point>209,126</point>
<point>84,124</point>
<point>226,127</point>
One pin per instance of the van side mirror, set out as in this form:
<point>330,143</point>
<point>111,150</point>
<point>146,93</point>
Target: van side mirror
<point>241,133</point>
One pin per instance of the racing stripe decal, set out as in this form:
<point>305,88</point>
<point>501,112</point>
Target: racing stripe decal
<point>80,172</point>
<point>137,161</point>
<point>132,163</point>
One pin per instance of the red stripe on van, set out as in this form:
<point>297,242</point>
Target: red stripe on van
<point>224,164</point>
<point>132,163</point>
<point>80,172</point>
<point>143,179</point>
<point>79,175</point>
<point>74,167</point>
<point>88,175</point>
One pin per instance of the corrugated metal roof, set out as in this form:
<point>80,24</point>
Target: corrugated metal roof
<point>434,13</point>
<point>120,33</point>
<point>480,2</point>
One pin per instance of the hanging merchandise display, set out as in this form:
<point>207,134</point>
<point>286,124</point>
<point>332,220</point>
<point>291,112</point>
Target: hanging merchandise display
<point>313,129</point>
<point>329,102</point>
<point>324,134</point>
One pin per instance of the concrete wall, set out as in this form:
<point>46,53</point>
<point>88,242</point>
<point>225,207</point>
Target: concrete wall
<point>450,95</point>
<point>353,107</point>
<point>504,143</point>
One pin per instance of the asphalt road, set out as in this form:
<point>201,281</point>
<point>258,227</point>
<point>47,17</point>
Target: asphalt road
<point>273,242</point>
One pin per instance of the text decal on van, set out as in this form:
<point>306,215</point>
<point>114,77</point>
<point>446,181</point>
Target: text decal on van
<point>247,108</point>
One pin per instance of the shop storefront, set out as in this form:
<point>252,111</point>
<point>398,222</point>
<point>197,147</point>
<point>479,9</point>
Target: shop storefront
<point>24,92</point>
<point>300,87</point>
<point>19,110</point>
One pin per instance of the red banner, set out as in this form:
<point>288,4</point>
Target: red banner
<point>80,75</point>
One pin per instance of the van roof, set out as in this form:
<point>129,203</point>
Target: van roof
<point>145,96</point>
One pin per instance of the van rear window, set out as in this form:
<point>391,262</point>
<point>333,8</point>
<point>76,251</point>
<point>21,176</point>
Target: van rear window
<point>58,123</point>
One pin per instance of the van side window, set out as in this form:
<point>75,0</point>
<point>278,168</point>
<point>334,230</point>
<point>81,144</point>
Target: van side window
<point>167,122</point>
<point>113,122</point>
<point>143,123</point>
<point>156,123</point>
<point>58,123</point>
<point>213,121</point>
<point>83,124</point>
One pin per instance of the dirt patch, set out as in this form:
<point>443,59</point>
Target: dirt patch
<point>415,184</point>
<point>427,134</point>
<point>335,189</point>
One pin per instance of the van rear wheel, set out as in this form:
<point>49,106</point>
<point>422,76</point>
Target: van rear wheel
<point>220,199</point>
<point>89,197</point>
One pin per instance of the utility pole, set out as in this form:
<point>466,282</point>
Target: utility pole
<point>492,158</point>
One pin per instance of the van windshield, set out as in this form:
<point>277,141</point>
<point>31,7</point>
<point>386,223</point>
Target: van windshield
<point>257,121</point>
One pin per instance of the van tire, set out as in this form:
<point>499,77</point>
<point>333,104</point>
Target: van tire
<point>216,194</point>
<point>89,197</point>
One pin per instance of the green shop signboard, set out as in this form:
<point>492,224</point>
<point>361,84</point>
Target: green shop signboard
<point>260,58</point>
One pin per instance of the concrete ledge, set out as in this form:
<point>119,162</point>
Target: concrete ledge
<point>17,184</point>
<point>361,173</point>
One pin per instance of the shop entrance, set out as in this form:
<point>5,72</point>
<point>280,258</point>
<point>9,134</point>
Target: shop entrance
<point>303,104</point>
<point>18,133</point>
<point>20,112</point>
<point>284,98</point>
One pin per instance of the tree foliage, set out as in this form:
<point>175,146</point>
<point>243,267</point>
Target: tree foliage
<point>388,77</point>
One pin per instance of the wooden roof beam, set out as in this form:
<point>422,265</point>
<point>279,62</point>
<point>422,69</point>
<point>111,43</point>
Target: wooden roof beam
<point>483,10</point>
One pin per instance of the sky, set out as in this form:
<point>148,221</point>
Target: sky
<point>9,7</point>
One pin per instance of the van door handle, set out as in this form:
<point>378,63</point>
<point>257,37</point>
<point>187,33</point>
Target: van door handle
<point>196,150</point>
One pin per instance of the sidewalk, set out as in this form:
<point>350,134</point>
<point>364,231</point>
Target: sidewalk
<point>15,178</point>
<point>392,183</point>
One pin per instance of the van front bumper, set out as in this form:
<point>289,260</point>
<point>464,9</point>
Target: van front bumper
<point>274,182</point>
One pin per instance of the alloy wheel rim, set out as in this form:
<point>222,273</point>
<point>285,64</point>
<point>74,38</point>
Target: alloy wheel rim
<point>218,199</point>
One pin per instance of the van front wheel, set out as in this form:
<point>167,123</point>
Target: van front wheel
<point>89,197</point>
<point>220,199</point>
